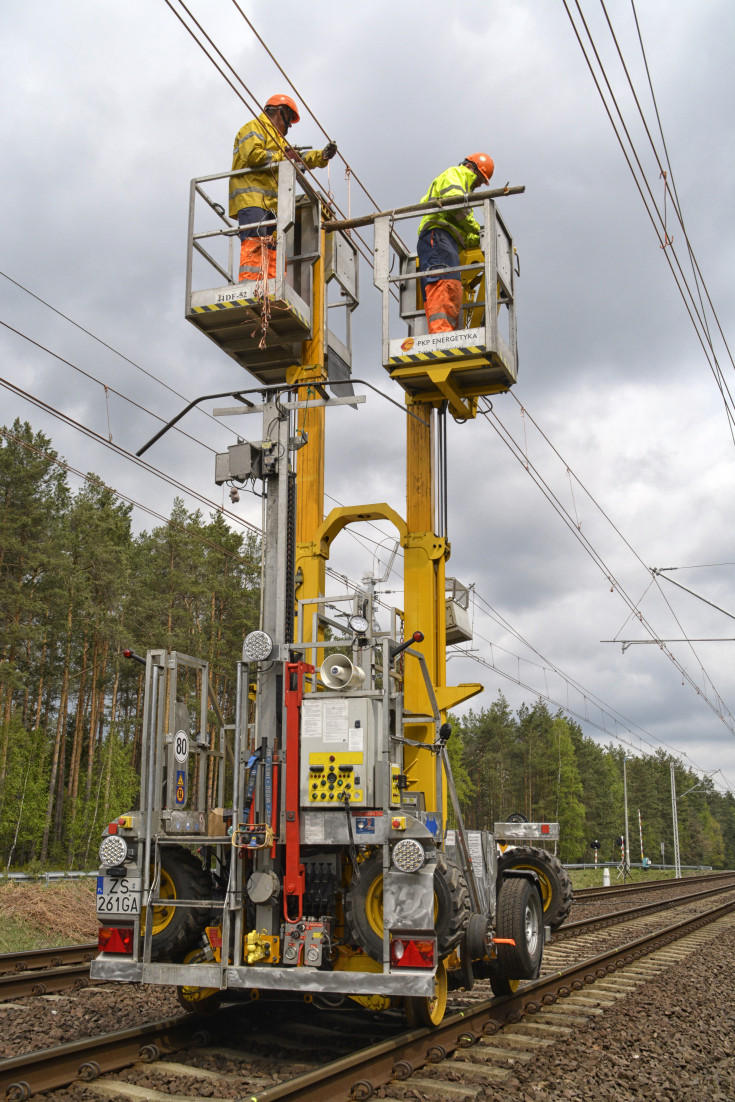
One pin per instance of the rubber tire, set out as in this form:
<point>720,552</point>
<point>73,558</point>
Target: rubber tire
<point>556,884</point>
<point>182,927</point>
<point>451,905</point>
<point>519,913</point>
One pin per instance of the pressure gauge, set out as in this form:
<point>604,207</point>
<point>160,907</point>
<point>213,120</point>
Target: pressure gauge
<point>358,624</point>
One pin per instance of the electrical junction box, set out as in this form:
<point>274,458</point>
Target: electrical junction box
<point>459,629</point>
<point>456,605</point>
<point>240,461</point>
<point>340,736</point>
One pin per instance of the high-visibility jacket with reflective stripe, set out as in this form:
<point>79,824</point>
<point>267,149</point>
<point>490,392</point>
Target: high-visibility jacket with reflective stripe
<point>461,223</point>
<point>257,144</point>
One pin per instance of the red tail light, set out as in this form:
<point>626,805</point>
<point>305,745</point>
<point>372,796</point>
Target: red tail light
<point>115,939</point>
<point>409,952</point>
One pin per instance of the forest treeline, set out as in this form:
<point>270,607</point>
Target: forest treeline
<point>543,766</point>
<point>78,586</point>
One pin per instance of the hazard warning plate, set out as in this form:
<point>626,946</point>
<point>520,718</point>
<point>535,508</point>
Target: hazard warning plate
<point>118,895</point>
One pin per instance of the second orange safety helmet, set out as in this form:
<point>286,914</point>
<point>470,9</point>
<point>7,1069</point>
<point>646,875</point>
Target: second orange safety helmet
<point>484,163</point>
<point>286,101</point>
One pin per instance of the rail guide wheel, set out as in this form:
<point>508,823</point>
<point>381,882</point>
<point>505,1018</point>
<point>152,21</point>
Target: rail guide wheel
<point>427,1011</point>
<point>198,1000</point>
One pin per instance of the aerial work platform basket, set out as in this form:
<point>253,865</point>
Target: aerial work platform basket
<point>478,358</point>
<point>262,324</point>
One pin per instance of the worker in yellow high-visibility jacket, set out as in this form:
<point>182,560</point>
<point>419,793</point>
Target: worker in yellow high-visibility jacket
<point>260,144</point>
<point>443,233</point>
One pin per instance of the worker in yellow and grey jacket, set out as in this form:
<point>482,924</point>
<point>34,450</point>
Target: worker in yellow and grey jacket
<point>260,144</point>
<point>441,236</point>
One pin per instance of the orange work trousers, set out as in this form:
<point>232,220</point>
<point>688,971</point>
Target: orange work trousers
<point>443,303</point>
<point>257,259</point>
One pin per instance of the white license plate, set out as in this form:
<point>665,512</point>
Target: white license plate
<point>118,895</point>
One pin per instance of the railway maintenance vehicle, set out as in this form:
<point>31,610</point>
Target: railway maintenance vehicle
<point>312,844</point>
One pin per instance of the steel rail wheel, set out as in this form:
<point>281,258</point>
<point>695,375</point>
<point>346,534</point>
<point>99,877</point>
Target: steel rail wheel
<point>162,915</point>
<point>554,880</point>
<point>501,986</point>
<point>364,906</point>
<point>175,929</point>
<point>198,1000</point>
<point>428,1011</point>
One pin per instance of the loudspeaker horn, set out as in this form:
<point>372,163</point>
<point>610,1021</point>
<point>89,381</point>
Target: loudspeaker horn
<point>338,672</point>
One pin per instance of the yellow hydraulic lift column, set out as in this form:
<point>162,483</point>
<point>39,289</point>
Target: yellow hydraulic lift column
<point>424,556</point>
<point>311,568</point>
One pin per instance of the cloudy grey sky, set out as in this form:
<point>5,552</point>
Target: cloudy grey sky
<point>110,110</point>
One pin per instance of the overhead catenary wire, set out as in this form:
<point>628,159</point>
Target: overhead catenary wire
<point>493,614</point>
<point>635,604</point>
<point>634,729</point>
<point>255,106</point>
<point>572,711</point>
<point>95,480</point>
<point>125,397</point>
<point>105,344</point>
<point>658,222</point>
<point>670,177</point>
<point>302,99</point>
<point>123,453</point>
<point>515,448</point>
<point>105,386</point>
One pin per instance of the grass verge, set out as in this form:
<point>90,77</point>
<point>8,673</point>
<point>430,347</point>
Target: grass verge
<point>40,916</point>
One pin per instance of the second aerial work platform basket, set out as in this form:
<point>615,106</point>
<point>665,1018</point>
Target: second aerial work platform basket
<point>262,324</point>
<point>479,358</point>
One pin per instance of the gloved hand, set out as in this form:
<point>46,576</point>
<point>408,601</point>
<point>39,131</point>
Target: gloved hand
<point>329,151</point>
<point>294,156</point>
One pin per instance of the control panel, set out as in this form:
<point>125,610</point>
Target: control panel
<point>337,777</point>
<point>340,739</point>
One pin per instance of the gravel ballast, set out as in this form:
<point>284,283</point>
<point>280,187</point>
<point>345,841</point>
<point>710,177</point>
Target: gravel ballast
<point>671,1039</point>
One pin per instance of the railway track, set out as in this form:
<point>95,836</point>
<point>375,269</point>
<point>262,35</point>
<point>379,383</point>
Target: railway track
<point>43,971</point>
<point>492,1036</point>
<point>33,959</point>
<point>584,895</point>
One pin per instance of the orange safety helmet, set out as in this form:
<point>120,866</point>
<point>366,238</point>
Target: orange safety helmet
<point>286,101</point>
<point>484,164</point>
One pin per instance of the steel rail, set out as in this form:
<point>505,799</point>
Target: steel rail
<point>42,981</point>
<point>47,958</point>
<point>356,1076</point>
<point>581,894</point>
<point>359,1076</point>
<point>86,1059</point>
<point>612,918</point>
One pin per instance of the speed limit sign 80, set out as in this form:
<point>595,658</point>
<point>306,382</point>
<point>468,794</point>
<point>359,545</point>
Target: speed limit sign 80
<point>181,746</point>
